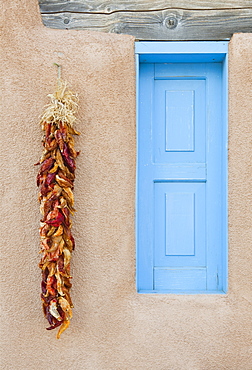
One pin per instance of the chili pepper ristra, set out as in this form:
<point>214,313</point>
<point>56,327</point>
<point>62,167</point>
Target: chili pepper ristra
<point>55,181</point>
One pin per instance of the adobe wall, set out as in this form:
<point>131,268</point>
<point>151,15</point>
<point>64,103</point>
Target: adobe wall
<point>113,327</point>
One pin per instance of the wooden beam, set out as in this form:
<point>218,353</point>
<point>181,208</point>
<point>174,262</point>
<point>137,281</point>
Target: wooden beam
<point>108,6</point>
<point>192,20</point>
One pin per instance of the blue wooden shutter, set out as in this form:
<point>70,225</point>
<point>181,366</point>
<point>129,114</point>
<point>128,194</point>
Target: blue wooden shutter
<point>181,178</point>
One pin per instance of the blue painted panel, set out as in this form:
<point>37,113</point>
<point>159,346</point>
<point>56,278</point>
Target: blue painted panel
<point>145,191</point>
<point>181,194</point>
<point>180,224</point>
<point>181,171</point>
<point>179,123</point>
<point>182,52</point>
<point>180,279</point>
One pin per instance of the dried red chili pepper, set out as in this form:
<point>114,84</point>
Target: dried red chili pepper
<point>50,178</point>
<point>56,221</point>
<point>46,165</point>
<point>69,162</point>
<point>55,180</point>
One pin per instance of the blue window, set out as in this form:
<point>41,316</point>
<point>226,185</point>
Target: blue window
<point>181,218</point>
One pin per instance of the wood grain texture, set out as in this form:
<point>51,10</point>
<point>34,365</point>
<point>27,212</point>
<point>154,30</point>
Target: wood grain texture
<point>108,6</point>
<point>163,20</point>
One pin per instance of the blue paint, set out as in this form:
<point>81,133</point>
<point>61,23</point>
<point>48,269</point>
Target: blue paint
<point>180,241</point>
<point>196,49</point>
<point>179,213</point>
<point>179,123</point>
<point>181,216</point>
<point>182,129</point>
<point>178,279</point>
<point>180,52</point>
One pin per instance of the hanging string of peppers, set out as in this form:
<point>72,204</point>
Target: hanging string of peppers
<point>55,181</point>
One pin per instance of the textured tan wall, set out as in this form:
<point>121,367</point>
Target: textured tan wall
<point>113,327</point>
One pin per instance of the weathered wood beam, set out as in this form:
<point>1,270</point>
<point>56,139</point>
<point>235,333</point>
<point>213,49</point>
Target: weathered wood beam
<point>193,20</point>
<point>108,6</point>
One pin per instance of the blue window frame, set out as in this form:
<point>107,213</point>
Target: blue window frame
<point>181,212</point>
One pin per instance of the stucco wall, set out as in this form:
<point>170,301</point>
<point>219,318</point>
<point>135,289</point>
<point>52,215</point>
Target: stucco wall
<point>113,327</point>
